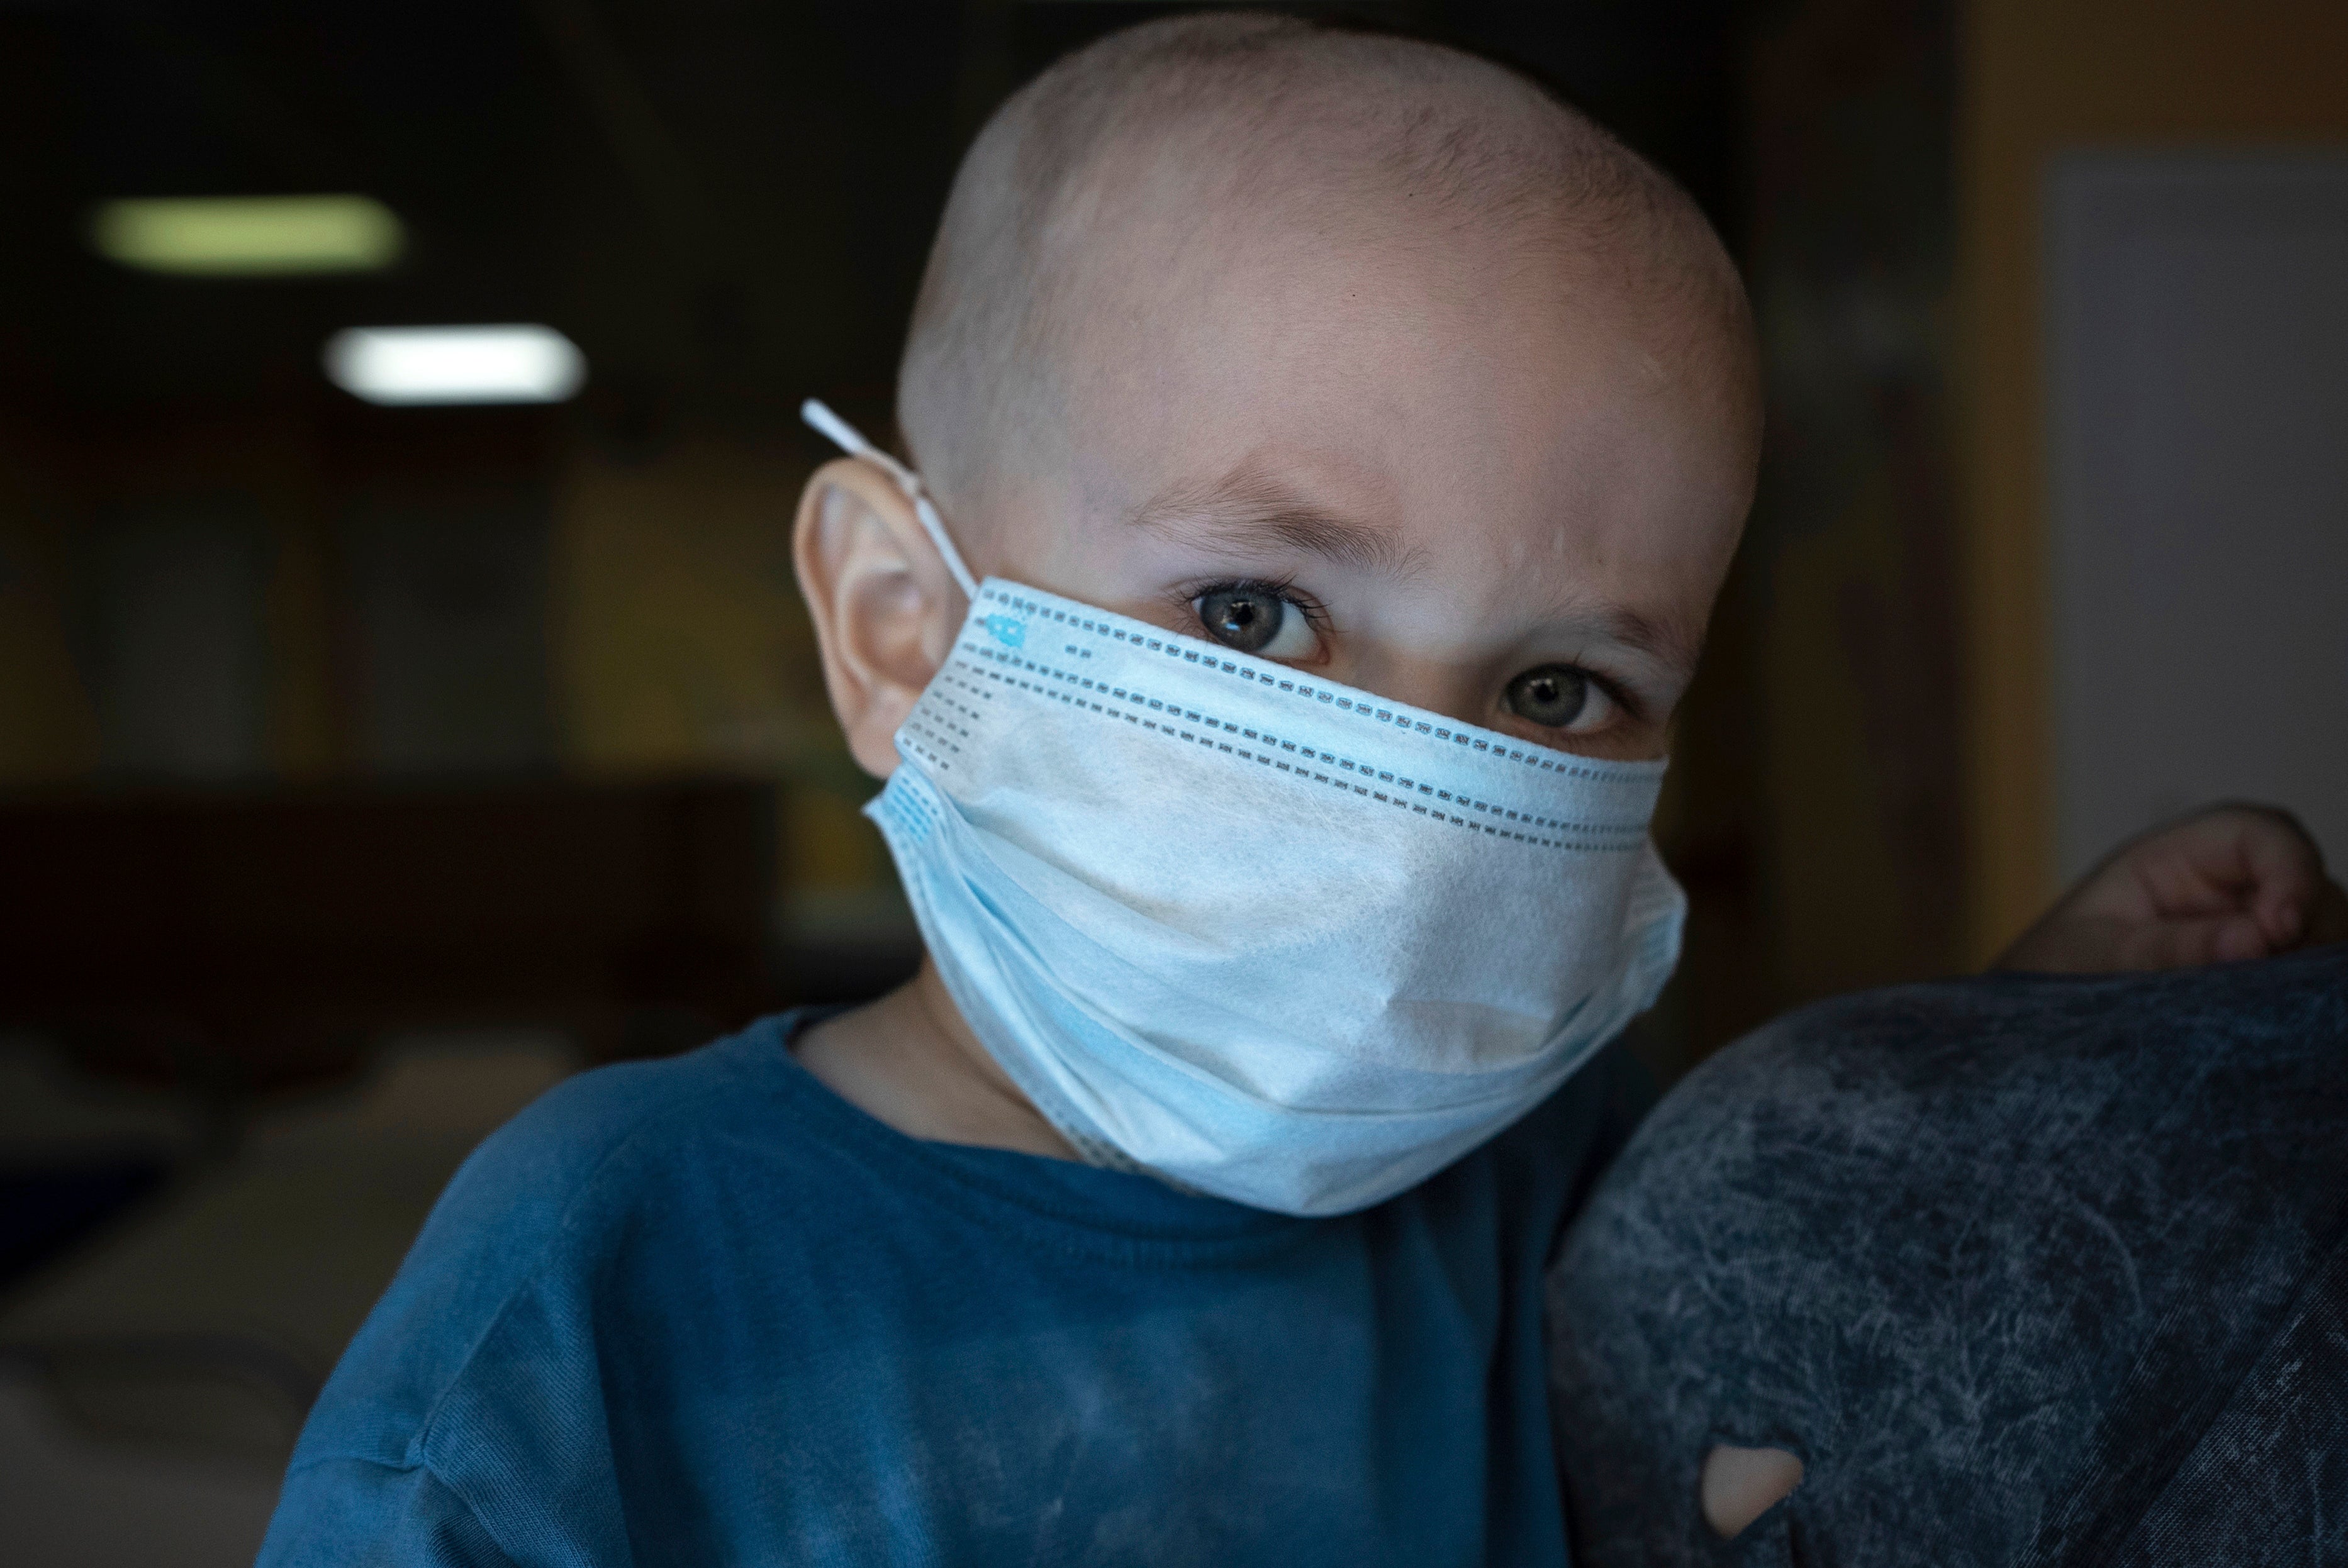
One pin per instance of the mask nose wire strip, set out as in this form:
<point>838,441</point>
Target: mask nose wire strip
<point>851,441</point>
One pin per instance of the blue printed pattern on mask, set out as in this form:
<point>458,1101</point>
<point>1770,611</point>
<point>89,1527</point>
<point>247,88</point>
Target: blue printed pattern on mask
<point>940,721</point>
<point>929,735</point>
<point>1341,698</point>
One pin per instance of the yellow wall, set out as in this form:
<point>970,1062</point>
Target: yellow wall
<point>679,640</point>
<point>2039,75</point>
<point>680,644</point>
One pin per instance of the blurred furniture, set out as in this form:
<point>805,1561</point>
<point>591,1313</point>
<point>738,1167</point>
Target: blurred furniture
<point>251,939</point>
<point>152,1381</point>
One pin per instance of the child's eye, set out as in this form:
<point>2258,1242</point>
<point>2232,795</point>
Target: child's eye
<point>1561,698</point>
<point>1259,619</point>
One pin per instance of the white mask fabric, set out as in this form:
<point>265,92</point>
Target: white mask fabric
<point>1264,936</point>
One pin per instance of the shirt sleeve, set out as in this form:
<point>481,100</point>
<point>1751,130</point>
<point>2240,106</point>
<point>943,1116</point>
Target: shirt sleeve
<point>356,1513</point>
<point>465,1424</point>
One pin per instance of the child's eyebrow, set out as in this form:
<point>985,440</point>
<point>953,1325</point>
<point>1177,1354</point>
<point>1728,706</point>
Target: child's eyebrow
<point>1663,646</point>
<point>1249,510</point>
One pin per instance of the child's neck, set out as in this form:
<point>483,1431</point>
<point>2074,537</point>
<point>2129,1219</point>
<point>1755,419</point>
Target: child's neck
<point>910,1060</point>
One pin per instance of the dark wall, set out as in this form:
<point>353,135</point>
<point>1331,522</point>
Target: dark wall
<point>727,206</point>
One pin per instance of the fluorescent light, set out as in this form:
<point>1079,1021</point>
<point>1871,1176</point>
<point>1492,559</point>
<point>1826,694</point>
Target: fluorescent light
<point>249,236</point>
<point>456,365</point>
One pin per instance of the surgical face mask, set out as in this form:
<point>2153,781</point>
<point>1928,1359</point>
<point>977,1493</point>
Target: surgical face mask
<point>1265,935</point>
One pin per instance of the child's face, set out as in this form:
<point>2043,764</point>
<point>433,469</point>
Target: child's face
<point>1463,464</point>
<point>1464,475</point>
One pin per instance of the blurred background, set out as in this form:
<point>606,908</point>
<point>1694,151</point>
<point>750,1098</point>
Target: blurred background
<point>392,723</point>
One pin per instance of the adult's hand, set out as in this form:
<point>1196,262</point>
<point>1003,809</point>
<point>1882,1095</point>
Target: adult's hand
<point>2227,883</point>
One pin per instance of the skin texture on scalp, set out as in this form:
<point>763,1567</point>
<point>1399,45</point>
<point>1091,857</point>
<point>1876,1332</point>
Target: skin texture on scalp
<point>1259,134</point>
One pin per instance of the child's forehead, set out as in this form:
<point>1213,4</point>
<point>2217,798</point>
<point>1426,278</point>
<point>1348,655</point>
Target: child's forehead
<point>1156,261</point>
<point>1479,429</point>
<point>1285,362</point>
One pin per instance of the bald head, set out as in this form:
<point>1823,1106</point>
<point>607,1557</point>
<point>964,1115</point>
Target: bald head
<point>1453,394</point>
<point>1170,153</point>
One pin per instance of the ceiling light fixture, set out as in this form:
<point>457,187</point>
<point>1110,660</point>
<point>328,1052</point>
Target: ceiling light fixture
<point>248,236</point>
<point>415,365</point>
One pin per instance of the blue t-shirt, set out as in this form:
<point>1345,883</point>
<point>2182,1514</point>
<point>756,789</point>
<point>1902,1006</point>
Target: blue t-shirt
<point>704,1311</point>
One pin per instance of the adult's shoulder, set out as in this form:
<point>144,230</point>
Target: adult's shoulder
<point>1975,1249</point>
<point>1980,1042</point>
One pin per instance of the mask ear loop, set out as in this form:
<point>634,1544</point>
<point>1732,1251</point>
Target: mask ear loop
<point>849,441</point>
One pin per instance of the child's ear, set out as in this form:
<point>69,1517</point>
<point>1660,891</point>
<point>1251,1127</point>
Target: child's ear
<point>884,606</point>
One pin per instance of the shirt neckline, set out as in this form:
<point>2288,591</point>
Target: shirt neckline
<point>1120,1215</point>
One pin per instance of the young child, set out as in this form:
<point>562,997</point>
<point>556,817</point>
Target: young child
<point>1346,443</point>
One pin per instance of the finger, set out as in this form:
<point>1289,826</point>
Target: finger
<point>2237,858</point>
<point>2287,873</point>
<point>2190,943</point>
